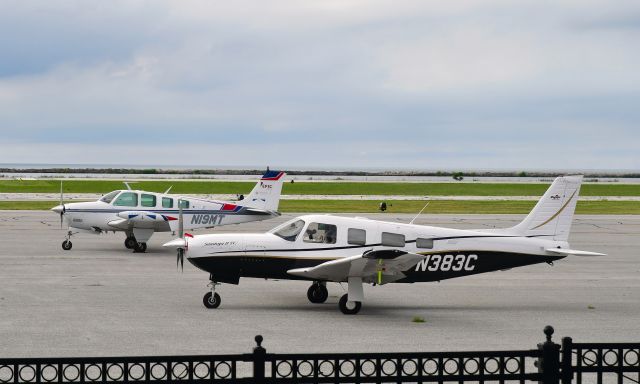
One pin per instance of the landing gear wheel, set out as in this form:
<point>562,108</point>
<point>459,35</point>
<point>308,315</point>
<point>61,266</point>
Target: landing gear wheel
<point>317,293</point>
<point>211,301</point>
<point>140,247</point>
<point>130,242</point>
<point>349,307</point>
<point>66,245</point>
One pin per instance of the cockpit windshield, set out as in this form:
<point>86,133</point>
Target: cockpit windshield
<point>290,230</point>
<point>108,198</point>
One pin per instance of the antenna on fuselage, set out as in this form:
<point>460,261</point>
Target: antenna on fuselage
<point>127,184</point>
<point>423,208</point>
<point>167,191</point>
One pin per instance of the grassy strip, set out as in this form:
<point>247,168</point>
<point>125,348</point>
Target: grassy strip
<point>307,188</point>
<point>404,206</point>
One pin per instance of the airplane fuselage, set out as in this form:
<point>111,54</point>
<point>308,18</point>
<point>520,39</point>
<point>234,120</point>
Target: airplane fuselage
<point>100,216</point>
<point>448,252</point>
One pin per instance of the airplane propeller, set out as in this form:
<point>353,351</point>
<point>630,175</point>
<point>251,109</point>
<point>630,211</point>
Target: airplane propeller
<point>180,256</point>
<point>63,210</point>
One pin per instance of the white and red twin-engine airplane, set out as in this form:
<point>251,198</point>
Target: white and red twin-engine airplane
<point>325,248</point>
<point>140,213</point>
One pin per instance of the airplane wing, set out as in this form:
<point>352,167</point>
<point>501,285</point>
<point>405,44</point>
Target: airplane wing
<point>573,252</point>
<point>381,267</point>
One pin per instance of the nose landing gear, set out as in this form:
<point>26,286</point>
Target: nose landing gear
<point>211,299</point>
<point>66,244</point>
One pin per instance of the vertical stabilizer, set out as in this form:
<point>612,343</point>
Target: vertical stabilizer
<point>266,194</point>
<point>553,214</point>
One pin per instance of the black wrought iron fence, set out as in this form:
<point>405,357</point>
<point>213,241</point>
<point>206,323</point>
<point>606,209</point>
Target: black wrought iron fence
<point>615,363</point>
<point>550,363</point>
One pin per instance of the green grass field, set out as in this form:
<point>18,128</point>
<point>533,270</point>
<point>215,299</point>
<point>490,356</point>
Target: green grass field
<point>315,188</point>
<point>404,206</point>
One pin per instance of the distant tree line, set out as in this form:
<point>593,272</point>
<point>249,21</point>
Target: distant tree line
<point>457,175</point>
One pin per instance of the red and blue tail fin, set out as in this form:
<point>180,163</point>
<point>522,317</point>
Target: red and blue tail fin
<point>266,194</point>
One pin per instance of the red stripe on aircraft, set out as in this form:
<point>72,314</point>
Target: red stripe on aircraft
<point>228,207</point>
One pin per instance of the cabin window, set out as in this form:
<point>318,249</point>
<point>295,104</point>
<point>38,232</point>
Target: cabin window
<point>291,231</point>
<point>320,233</point>
<point>392,239</point>
<point>127,199</point>
<point>357,236</point>
<point>109,197</point>
<point>147,200</point>
<point>424,243</point>
<point>167,202</point>
<point>184,204</point>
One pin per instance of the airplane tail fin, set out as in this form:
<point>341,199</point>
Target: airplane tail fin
<point>266,194</point>
<point>553,214</point>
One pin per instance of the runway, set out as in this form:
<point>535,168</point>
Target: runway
<point>99,299</point>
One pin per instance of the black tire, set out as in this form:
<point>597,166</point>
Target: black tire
<point>140,247</point>
<point>346,310</point>
<point>66,245</point>
<point>130,242</point>
<point>211,301</point>
<point>317,293</point>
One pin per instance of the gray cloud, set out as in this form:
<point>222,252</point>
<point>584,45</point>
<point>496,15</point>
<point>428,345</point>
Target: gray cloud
<point>407,84</point>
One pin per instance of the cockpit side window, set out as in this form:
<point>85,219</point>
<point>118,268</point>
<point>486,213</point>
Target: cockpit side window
<point>320,233</point>
<point>109,197</point>
<point>291,231</point>
<point>127,199</point>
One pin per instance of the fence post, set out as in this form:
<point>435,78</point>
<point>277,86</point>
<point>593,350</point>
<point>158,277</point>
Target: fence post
<point>258,361</point>
<point>567,365</point>
<point>549,364</point>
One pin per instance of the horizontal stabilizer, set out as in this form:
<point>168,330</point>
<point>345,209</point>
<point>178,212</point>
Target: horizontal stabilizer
<point>574,252</point>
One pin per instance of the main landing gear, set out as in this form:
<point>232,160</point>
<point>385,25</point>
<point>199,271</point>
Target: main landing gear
<point>317,293</point>
<point>140,247</point>
<point>211,299</point>
<point>66,244</point>
<point>131,243</point>
<point>349,307</point>
<point>349,304</point>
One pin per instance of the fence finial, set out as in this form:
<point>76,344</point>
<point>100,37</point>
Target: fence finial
<point>258,340</point>
<point>548,330</point>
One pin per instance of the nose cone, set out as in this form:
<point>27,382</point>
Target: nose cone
<point>175,243</point>
<point>57,209</point>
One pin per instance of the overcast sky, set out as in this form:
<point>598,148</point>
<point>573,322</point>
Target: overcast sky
<point>329,84</point>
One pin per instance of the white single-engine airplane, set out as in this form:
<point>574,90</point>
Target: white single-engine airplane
<point>140,213</point>
<point>325,248</point>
